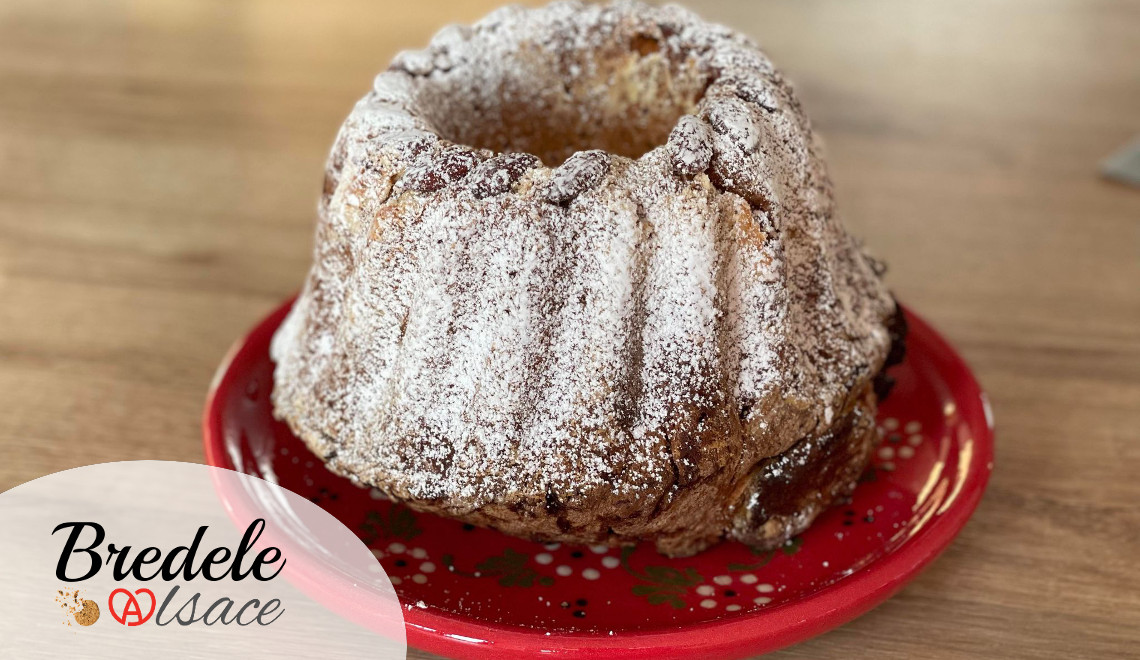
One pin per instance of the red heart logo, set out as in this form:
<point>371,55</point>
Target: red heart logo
<point>131,607</point>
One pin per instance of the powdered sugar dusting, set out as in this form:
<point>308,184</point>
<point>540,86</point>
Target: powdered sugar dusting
<point>690,145</point>
<point>579,173</point>
<point>616,341</point>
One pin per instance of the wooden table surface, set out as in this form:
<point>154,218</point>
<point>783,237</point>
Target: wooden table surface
<point>160,162</point>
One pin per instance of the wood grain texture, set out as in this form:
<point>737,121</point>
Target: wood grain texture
<point>160,162</point>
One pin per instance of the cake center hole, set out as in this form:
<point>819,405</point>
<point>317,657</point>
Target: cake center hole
<point>623,98</point>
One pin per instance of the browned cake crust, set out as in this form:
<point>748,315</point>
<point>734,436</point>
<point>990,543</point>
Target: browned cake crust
<point>578,276</point>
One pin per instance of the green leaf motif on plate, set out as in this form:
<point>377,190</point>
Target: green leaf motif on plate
<point>661,584</point>
<point>400,523</point>
<point>510,568</point>
<point>790,548</point>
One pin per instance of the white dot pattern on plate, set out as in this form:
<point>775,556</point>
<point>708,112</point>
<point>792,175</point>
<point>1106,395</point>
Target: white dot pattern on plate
<point>707,592</point>
<point>748,594</point>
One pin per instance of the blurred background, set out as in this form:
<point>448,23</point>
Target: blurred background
<point>160,163</point>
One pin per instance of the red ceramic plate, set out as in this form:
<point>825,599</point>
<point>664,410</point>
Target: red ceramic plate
<point>475,593</point>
